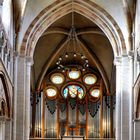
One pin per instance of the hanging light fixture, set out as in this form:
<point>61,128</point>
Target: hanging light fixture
<point>72,55</point>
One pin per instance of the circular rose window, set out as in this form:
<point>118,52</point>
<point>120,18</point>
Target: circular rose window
<point>73,91</point>
<point>51,91</point>
<point>95,93</point>
<point>74,74</point>
<point>57,78</point>
<point>90,79</point>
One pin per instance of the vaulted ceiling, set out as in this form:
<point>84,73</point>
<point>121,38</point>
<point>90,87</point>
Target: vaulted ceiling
<point>95,45</point>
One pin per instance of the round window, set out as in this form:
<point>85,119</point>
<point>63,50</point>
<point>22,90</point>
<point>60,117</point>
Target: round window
<point>74,74</point>
<point>95,93</point>
<point>57,78</point>
<point>73,91</point>
<point>90,79</point>
<point>51,91</point>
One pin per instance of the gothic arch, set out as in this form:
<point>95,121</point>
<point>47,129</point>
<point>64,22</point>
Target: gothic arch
<point>6,101</point>
<point>59,9</point>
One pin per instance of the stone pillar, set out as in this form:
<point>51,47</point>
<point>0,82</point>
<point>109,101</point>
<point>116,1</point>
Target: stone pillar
<point>23,98</point>
<point>131,97</point>
<point>20,104</point>
<point>2,127</point>
<point>126,91</point>
<point>3,130</point>
<point>0,130</point>
<point>29,63</point>
<point>15,70</point>
<point>137,129</point>
<point>8,130</point>
<point>118,98</point>
<point>124,75</point>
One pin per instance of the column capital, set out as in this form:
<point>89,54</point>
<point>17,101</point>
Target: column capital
<point>3,118</point>
<point>131,54</point>
<point>29,60</point>
<point>15,54</point>
<point>118,60</point>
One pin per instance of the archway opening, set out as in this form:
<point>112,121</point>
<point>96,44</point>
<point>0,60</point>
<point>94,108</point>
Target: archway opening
<point>73,107</point>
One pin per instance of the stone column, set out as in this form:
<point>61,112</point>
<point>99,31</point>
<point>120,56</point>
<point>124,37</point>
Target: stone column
<point>131,96</point>
<point>29,63</point>
<point>20,98</point>
<point>124,76</point>
<point>126,92</point>
<point>8,129</point>
<point>3,130</point>
<point>118,98</point>
<point>2,127</point>
<point>22,110</point>
<point>0,130</point>
<point>15,71</point>
<point>137,129</point>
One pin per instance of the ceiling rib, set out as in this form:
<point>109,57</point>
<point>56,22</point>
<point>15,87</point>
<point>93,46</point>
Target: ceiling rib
<point>98,64</point>
<point>58,30</point>
<point>50,61</point>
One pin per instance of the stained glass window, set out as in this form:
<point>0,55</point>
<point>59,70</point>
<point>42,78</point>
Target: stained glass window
<point>51,91</point>
<point>90,79</point>
<point>65,93</point>
<point>57,78</point>
<point>95,93</point>
<point>73,91</point>
<point>74,74</point>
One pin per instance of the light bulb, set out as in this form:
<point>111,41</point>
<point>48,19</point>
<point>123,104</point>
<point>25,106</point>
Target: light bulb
<point>63,70</point>
<point>83,69</point>
<point>60,58</point>
<point>74,55</point>
<point>87,65</point>
<point>66,55</point>
<point>82,56</point>
<point>86,60</point>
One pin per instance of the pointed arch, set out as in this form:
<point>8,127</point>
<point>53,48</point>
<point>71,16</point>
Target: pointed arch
<point>59,9</point>
<point>7,101</point>
<point>85,48</point>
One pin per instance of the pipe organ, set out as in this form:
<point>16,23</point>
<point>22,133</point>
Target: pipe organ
<point>72,108</point>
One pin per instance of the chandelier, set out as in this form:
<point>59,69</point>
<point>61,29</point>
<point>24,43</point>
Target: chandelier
<point>72,52</point>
